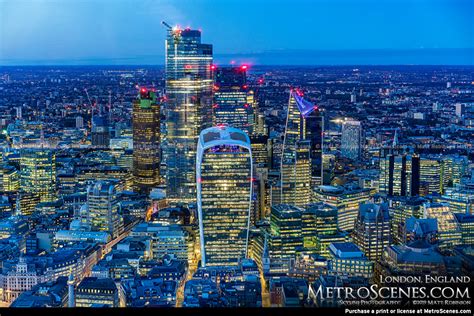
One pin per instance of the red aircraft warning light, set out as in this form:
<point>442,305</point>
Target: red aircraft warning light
<point>213,67</point>
<point>243,67</point>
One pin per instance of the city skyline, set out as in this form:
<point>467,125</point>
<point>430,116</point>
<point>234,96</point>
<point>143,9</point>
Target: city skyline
<point>222,180</point>
<point>390,32</point>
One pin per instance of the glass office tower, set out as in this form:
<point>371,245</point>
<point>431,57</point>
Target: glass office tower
<point>38,173</point>
<point>351,140</point>
<point>146,141</point>
<point>301,148</point>
<point>188,108</point>
<point>224,194</point>
<point>233,102</point>
<point>103,208</point>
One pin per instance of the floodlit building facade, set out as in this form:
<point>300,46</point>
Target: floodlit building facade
<point>224,174</point>
<point>146,141</point>
<point>188,108</point>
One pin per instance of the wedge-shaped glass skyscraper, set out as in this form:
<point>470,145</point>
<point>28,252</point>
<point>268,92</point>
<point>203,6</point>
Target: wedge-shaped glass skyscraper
<point>224,193</point>
<point>188,108</point>
<point>301,165</point>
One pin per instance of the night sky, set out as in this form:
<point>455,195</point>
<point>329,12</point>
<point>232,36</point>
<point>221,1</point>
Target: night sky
<point>257,31</point>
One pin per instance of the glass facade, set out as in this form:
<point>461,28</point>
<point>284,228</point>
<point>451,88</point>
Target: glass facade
<point>233,102</point>
<point>431,179</point>
<point>103,208</point>
<point>146,141</point>
<point>346,200</point>
<point>351,140</point>
<point>38,173</point>
<point>224,186</point>
<point>300,150</point>
<point>188,108</point>
<point>449,233</point>
<point>399,175</point>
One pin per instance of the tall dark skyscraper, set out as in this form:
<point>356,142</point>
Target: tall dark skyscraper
<point>314,133</point>
<point>100,134</point>
<point>146,141</point>
<point>233,101</point>
<point>188,109</point>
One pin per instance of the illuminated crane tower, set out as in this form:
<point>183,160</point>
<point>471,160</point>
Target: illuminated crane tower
<point>301,162</point>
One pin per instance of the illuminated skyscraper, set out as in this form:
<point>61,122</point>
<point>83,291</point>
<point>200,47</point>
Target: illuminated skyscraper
<point>103,208</point>
<point>431,177</point>
<point>233,102</point>
<point>372,229</point>
<point>285,236</point>
<point>301,156</point>
<point>224,174</point>
<point>351,140</point>
<point>453,168</point>
<point>146,141</point>
<point>38,173</point>
<point>399,175</point>
<point>188,109</point>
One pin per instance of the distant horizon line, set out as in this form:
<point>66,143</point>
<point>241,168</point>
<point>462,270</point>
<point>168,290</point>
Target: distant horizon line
<point>251,66</point>
<point>285,57</point>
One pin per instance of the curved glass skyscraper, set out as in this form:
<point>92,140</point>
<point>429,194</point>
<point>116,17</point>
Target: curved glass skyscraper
<point>224,194</point>
<point>188,108</point>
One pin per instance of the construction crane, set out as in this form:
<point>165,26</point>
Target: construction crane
<point>176,38</point>
<point>167,25</point>
<point>88,98</point>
